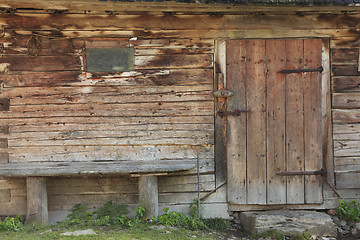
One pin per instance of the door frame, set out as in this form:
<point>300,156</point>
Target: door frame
<point>220,123</point>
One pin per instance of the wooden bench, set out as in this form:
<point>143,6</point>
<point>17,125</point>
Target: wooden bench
<point>36,174</point>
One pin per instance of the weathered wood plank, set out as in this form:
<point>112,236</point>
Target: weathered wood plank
<point>256,122</point>
<point>92,168</point>
<point>344,42</point>
<point>5,195</point>
<point>148,196</point>
<point>346,132</point>
<point>76,95</point>
<point>178,184</point>
<point>61,202</point>
<point>164,21</point>
<point>91,185</point>
<point>114,7</point>
<point>347,161</point>
<point>294,121</point>
<point>348,180</point>
<point>346,148</point>
<point>16,206</point>
<point>102,138</point>
<point>37,202</point>
<point>276,154</point>
<point>72,63</point>
<point>345,55</point>
<point>189,43</point>
<point>36,79</point>
<point>171,51</point>
<point>110,153</point>
<point>195,123</point>
<point>346,100</point>
<point>346,115</point>
<point>350,69</point>
<point>347,168</point>
<point>313,120</point>
<point>173,61</point>
<point>41,63</point>
<point>100,109</point>
<point>135,78</point>
<point>18,44</point>
<point>14,183</point>
<point>346,84</point>
<point>236,125</point>
<point>219,33</point>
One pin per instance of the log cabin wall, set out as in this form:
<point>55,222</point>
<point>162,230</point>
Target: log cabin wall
<point>162,110</point>
<point>53,110</point>
<point>346,121</point>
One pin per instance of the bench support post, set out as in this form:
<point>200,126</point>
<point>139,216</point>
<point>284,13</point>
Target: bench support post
<point>37,204</point>
<point>148,195</point>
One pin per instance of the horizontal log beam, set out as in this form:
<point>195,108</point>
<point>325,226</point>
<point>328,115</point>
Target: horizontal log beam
<point>42,169</point>
<point>171,22</point>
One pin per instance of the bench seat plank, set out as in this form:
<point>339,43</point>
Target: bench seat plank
<point>48,169</point>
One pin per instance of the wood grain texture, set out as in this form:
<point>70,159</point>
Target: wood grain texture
<point>345,84</point>
<point>30,21</point>
<point>294,121</point>
<point>236,125</point>
<point>313,120</point>
<point>109,153</point>
<point>134,78</point>
<point>91,168</point>
<point>276,154</point>
<point>256,122</point>
<point>37,201</point>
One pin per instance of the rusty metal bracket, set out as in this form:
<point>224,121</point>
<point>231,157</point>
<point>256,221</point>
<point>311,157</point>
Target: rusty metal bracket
<point>236,112</point>
<point>320,172</point>
<point>223,93</point>
<point>286,71</point>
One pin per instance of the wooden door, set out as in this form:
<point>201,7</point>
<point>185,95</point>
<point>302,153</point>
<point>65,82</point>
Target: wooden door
<point>278,84</point>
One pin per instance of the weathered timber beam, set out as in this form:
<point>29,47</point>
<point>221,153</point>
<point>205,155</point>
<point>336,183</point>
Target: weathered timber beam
<point>148,195</point>
<point>91,7</point>
<point>91,168</point>
<point>165,22</point>
<point>37,203</point>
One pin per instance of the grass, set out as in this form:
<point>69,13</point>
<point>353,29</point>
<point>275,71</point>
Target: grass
<point>137,231</point>
<point>111,222</point>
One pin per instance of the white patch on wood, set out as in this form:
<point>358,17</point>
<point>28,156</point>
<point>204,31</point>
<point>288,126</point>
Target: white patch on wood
<point>82,60</point>
<point>143,60</point>
<point>4,67</point>
<point>86,89</point>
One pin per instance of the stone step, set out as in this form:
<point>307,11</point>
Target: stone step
<point>289,222</point>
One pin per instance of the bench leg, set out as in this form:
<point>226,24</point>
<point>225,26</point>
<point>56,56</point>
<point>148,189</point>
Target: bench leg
<point>37,204</point>
<point>148,195</point>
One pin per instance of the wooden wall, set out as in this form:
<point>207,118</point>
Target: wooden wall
<point>54,111</point>
<point>346,118</point>
<point>58,112</point>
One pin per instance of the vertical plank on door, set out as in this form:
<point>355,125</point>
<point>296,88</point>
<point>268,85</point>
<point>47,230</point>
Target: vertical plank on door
<point>236,125</point>
<point>312,120</point>
<point>294,122</point>
<point>256,121</point>
<point>275,61</point>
